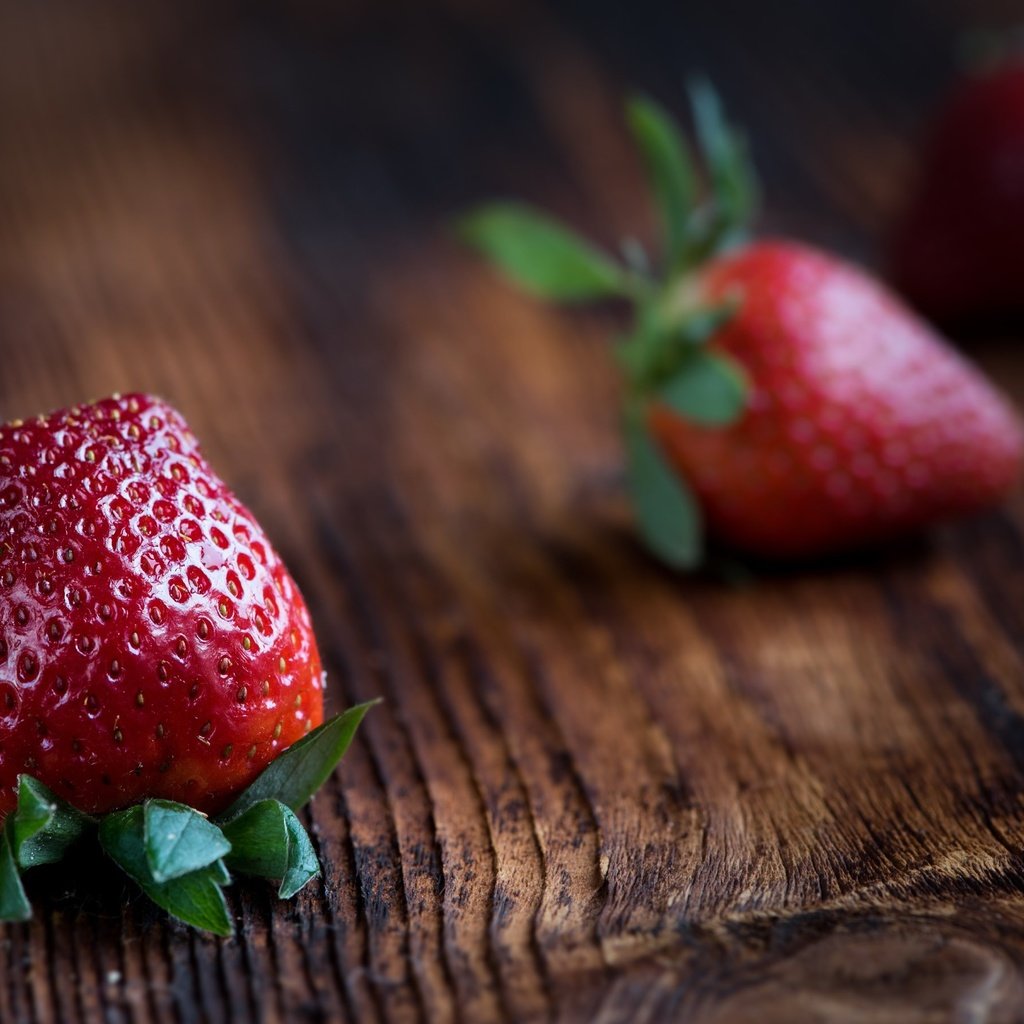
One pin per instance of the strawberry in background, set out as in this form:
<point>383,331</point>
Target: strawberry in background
<point>775,398</point>
<point>958,250</point>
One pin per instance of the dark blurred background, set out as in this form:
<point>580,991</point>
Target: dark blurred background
<point>380,116</point>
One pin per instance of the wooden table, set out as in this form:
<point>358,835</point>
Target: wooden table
<point>595,791</point>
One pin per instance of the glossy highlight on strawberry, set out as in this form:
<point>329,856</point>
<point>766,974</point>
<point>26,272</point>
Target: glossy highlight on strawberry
<point>152,643</point>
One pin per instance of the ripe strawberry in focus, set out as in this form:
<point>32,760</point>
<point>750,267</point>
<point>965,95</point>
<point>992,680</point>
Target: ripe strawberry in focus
<point>776,398</point>
<point>958,250</point>
<point>157,666</point>
<point>152,644</point>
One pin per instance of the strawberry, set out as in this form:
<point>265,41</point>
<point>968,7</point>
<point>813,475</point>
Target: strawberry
<point>155,654</point>
<point>776,398</point>
<point>861,424</point>
<point>957,251</point>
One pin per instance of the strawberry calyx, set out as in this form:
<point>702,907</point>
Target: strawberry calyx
<point>665,357</point>
<point>180,858</point>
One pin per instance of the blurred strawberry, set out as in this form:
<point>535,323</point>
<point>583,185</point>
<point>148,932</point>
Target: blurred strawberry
<point>958,251</point>
<point>860,423</point>
<point>775,396</point>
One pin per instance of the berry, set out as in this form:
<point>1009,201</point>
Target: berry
<point>957,251</point>
<point>776,398</point>
<point>157,666</point>
<point>861,424</point>
<point>152,643</point>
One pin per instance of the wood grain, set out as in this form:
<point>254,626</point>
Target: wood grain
<point>595,791</point>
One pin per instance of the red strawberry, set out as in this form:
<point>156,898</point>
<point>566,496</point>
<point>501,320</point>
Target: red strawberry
<point>774,392</point>
<point>958,250</point>
<point>861,423</point>
<point>152,644</point>
<point>157,665</point>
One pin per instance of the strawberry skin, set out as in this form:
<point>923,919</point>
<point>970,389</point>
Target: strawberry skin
<point>152,643</point>
<point>958,251</point>
<point>861,425</point>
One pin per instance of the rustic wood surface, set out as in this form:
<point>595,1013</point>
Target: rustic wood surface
<point>595,792</point>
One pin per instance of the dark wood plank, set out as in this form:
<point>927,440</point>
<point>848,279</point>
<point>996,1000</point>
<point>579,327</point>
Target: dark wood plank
<point>595,792</point>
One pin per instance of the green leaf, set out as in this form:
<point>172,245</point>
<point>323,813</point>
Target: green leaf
<point>259,840</point>
<point>14,904</point>
<point>666,511</point>
<point>195,898</point>
<point>218,872</point>
<point>42,826</point>
<point>670,170</point>
<point>707,389</point>
<point>665,340</point>
<point>179,840</point>
<point>540,255</point>
<point>733,180</point>
<point>700,325</point>
<point>640,352</point>
<point>38,831</point>
<point>303,865</point>
<point>295,775</point>
<point>268,840</point>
